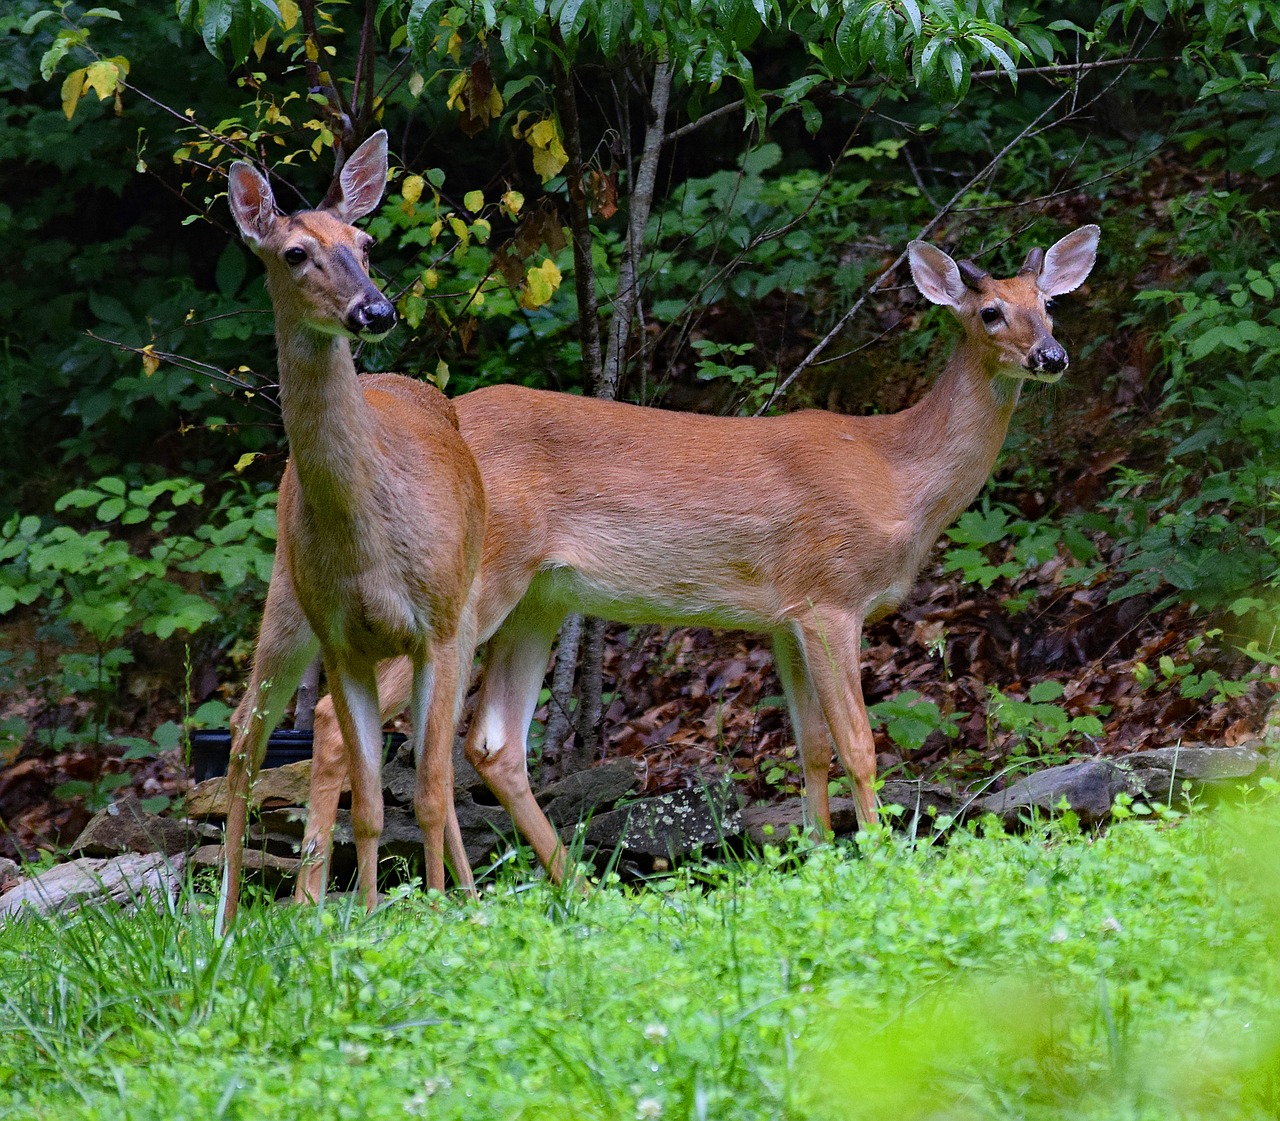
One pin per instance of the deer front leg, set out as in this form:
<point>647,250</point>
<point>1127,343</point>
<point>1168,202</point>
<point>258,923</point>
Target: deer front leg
<point>329,773</point>
<point>286,646</point>
<point>812,735</point>
<point>514,669</point>
<point>830,640</point>
<point>354,688</point>
<point>433,680</point>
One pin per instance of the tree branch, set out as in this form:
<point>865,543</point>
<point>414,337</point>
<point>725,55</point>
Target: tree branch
<point>639,205</point>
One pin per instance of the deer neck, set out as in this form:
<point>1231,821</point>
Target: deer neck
<point>949,440</point>
<point>328,423</point>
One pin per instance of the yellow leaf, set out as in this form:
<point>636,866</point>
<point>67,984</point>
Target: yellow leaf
<point>517,129</point>
<point>457,91</point>
<point>473,201</point>
<point>288,13</point>
<point>245,460</point>
<point>455,47</point>
<point>150,360</point>
<point>416,82</point>
<point>494,103</point>
<point>541,135</point>
<point>72,89</point>
<point>481,229</point>
<point>260,46</point>
<point>313,55</point>
<point>435,229</point>
<point>412,189</point>
<point>512,201</point>
<point>540,284</point>
<point>547,162</point>
<point>460,231</point>
<point>430,278</point>
<point>441,377</point>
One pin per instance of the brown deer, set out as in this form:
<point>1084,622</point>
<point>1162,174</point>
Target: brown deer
<point>380,525</point>
<point>803,526</point>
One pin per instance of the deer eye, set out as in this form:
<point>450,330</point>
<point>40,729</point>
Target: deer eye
<point>295,255</point>
<point>1051,303</point>
<point>990,314</point>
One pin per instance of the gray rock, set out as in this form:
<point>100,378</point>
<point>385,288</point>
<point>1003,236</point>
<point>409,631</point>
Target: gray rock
<point>128,880</point>
<point>670,825</point>
<point>399,781</point>
<point>1161,771</point>
<point>10,874</point>
<point>466,779</point>
<point>927,799</point>
<point>772,824</point>
<point>266,868</point>
<point>579,796</point>
<point>1088,787</point>
<point>125,826</point>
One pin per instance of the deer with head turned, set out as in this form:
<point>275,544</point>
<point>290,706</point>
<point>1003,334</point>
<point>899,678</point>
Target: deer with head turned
<point>802,526</point>
<point>380,525</point>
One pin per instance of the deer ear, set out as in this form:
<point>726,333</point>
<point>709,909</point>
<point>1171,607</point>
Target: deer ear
<point>253,206</point>
<point>935,274</point>
<point>1068,262</point>
<point>362,180</point>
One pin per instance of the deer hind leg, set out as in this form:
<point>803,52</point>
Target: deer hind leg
<point>515,665</point>
<point>831,642</point>
<point>286,646</point>
<point>811,732</point>
<point>329,773</point>
<point>354,688</point>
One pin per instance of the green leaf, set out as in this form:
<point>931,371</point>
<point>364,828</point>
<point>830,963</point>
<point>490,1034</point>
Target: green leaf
<point>1043,691</point>
<point>110,510</point>
<point>36,19</point>
<point>102,13</point>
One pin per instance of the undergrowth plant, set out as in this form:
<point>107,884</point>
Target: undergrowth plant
<point>126,561</point>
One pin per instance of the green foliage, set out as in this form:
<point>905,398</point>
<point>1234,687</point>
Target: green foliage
<point>910,720</point>
<point>97,588</point>
<point>1205,524</point>
<point>1035,978</point>
<point>1038,726</point>
<point>1026,545</point>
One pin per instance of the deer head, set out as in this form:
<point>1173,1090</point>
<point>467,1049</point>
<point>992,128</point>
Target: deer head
<point>1009,319</point>
<point>317,261</point>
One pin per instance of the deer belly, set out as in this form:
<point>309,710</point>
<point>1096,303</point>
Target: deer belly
<point>671,598</point>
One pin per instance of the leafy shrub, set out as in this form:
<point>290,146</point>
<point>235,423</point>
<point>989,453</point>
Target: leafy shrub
<point>133,571</point>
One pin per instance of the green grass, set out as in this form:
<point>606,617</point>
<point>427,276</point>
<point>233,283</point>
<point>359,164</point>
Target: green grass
<point>1133,975</point>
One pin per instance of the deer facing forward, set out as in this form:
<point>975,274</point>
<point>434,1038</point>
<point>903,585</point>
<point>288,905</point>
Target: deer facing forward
<point>803,526</point>
<point>380,526</point>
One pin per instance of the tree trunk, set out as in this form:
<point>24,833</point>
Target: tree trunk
<point>558,720</point>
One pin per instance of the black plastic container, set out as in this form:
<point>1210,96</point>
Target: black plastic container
<point>211,750</point>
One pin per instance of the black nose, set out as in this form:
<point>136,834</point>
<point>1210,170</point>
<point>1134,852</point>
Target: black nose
<point>376,317</point>
<point>1050,357</point>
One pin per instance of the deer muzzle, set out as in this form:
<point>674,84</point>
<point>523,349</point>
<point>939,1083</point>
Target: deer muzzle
<point>1048,359</point>
<point>371,319</point>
